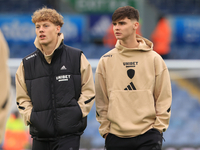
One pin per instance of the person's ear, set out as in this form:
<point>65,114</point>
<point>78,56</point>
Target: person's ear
<point>58,28</point>
<point>135,25</point>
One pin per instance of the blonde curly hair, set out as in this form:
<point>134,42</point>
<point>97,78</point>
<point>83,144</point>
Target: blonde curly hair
<point>47,14</point>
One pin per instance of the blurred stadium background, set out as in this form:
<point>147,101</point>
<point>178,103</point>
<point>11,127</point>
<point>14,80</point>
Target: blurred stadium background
<point>86,24</point>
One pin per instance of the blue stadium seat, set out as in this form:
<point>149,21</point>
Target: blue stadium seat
<point>184,127</point>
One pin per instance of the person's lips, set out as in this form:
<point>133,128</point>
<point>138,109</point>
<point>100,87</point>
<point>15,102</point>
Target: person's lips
<point>117,33</point>
<point>42,36</point>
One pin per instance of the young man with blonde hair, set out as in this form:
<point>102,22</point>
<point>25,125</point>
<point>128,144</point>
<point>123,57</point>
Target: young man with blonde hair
<point>54,86</point>
<point>133,89</point>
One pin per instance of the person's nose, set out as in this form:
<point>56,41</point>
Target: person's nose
<point>116,27</point>
<point>41,29</point>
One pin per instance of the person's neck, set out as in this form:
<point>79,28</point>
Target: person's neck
<point>48,49</point>
<point>130,43</point>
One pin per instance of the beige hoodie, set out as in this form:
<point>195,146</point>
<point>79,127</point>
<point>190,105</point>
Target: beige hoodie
<point>87,90</point>
<point>133,91</point>
<point>4,85</point>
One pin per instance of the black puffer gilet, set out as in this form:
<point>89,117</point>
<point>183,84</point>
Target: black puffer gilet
<point>54,90</point>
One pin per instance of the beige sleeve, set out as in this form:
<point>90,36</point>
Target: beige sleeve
<point>4,70</point>
<point>101,100</point>
<point>23,100</point>
<point>5,85</point>
<point>163,98</point>
<point>87,96</point>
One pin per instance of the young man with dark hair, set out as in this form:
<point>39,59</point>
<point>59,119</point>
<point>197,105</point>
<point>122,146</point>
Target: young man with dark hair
<point>133,89</point>
<point>54,87</point>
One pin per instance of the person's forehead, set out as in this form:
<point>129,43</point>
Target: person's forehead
<point>122,20</point>
<point>43,22</point>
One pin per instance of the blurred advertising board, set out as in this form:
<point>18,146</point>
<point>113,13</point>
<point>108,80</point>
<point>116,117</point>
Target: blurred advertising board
<point>20,29</point>
<point>19,32</point>
<point>98,25</point>
<point>186,29</point>
<point>98,6</point>
<point>17,28</point>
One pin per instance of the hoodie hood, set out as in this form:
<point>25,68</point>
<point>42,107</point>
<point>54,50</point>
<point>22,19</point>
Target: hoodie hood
<point>49,57</point>
<point>144,45</point>
<point>60,40</point>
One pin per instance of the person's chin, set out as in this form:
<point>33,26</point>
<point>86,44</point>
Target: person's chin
<point>118,38</point>
<point>42,42</point>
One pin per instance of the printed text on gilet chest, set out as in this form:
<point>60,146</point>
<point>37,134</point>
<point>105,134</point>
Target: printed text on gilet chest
<point>63,78</point>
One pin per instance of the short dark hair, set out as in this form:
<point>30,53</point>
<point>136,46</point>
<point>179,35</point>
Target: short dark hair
<point>125,11</point>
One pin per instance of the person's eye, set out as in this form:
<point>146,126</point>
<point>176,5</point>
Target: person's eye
<point>114,24</point>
